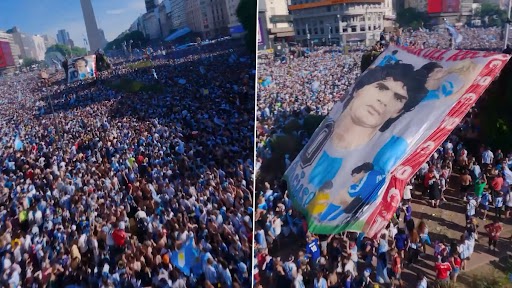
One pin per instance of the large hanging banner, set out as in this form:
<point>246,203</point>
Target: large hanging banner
<point>352,173</point>
<point>82,68</point>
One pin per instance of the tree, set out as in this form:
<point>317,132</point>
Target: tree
<point>135,36</point>
<point>27,62</point>
<point>410,17</point>
<point>60,48</point>
<point>246,13</point>
<point>492,15</point>
<point>78,51</point>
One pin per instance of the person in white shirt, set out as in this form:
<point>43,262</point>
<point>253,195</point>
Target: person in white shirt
<point>407,191</point>
<point>487,156</point>
<point>422,280</point>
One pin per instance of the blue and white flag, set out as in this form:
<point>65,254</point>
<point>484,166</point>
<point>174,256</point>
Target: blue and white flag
<point>186,257</point>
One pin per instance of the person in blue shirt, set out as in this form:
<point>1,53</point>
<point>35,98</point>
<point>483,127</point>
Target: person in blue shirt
<point>320,281</point>
<point>312,249</point>
<point>364,191</point>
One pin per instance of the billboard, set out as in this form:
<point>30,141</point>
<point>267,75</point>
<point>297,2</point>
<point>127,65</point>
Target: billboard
<point>451,6</point>
<point>434,6</point>
<point>351,174</point>
<point>6,59</point>
<point>82,68</point>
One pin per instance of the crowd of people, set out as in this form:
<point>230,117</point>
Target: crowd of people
<point>490,38</point>
<point>107,188</point>
<point>295,88</point>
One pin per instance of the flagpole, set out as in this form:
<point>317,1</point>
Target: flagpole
<point>507,25</point>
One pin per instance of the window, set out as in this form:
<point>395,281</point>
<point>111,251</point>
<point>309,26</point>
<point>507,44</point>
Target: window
<point>315,31</point>
<point>322,31</point>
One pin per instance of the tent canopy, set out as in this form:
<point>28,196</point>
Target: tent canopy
<point>178,33</point>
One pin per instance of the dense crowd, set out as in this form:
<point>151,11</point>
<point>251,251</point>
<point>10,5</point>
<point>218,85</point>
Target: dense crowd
<point>104,188</point>
<point>472,38</point>
<point>293,89</point>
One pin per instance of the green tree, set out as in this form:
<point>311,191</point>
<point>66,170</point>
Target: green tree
<point>27,62</point>
<point>60,48</point>
<point>495,117</point>
<point>410,17</point>
<point>493,14</point>
<point>78,51</point>
<point>136,36</point>
<point>246,13</point>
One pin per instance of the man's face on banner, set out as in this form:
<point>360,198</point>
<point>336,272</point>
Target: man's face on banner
<point>80,65</point>
<point>376,103</point>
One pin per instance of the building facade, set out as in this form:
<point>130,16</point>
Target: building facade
<point>39,48</point>
<point>177,11</point>
<point>278,21</point>
<point>49,41</point>
<point>327,22</point>
<point>15,50</point>
<point>93,34</point>
<point>63,37</point>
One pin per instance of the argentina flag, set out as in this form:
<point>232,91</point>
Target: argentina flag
<point>185,257</point>
<point>453,32</point>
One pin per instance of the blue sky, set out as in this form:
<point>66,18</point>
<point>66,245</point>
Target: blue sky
<point>48,16</point>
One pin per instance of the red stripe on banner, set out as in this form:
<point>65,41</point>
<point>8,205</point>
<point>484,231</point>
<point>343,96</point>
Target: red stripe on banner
<point>393,194</point>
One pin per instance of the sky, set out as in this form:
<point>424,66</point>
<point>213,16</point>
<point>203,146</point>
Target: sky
<point>48,16</point>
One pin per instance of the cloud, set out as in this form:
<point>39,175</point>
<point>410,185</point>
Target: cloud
<point>115,12</point>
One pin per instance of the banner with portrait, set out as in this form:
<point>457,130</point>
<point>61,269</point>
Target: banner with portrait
<point>82,68</point>
<point>351,174</point>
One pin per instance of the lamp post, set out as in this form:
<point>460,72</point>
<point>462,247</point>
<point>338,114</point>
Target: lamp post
<point>507,26</point>
<point>329,41</point>
<point>340,28</point>
<point>308,36</point>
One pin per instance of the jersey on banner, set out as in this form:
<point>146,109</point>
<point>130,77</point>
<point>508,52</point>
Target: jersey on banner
<point>82,68</point>
<point>351,174</point>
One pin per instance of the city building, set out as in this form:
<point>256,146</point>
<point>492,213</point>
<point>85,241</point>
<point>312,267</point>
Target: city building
<point>25,43</point>
<point>457,12</point>
<point>200,18</point>
<point>104,40</point>
<point>49,41</point>
<point>328,22</point>
<point>15,50</point>
<point>177,11</point>
<point>151,5</point>
<point>63,37</point>
<point>278,22</point>
<point>39,48</point>
<point>93,34</point>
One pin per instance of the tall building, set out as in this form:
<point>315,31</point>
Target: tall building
<point>15,50</point>
<point>151,5</point>
<point>49,41</point>
<point>177,12</point>
<point>324,22</point>
<point>104,40</point>
<point>63,37</point>
<point>39,48</point>
<point>211,18</point>
<point>91,26</point>
<point>277,19</point>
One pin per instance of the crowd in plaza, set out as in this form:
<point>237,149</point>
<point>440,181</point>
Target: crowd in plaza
<point>104,188</point>
<point>304,86</point>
